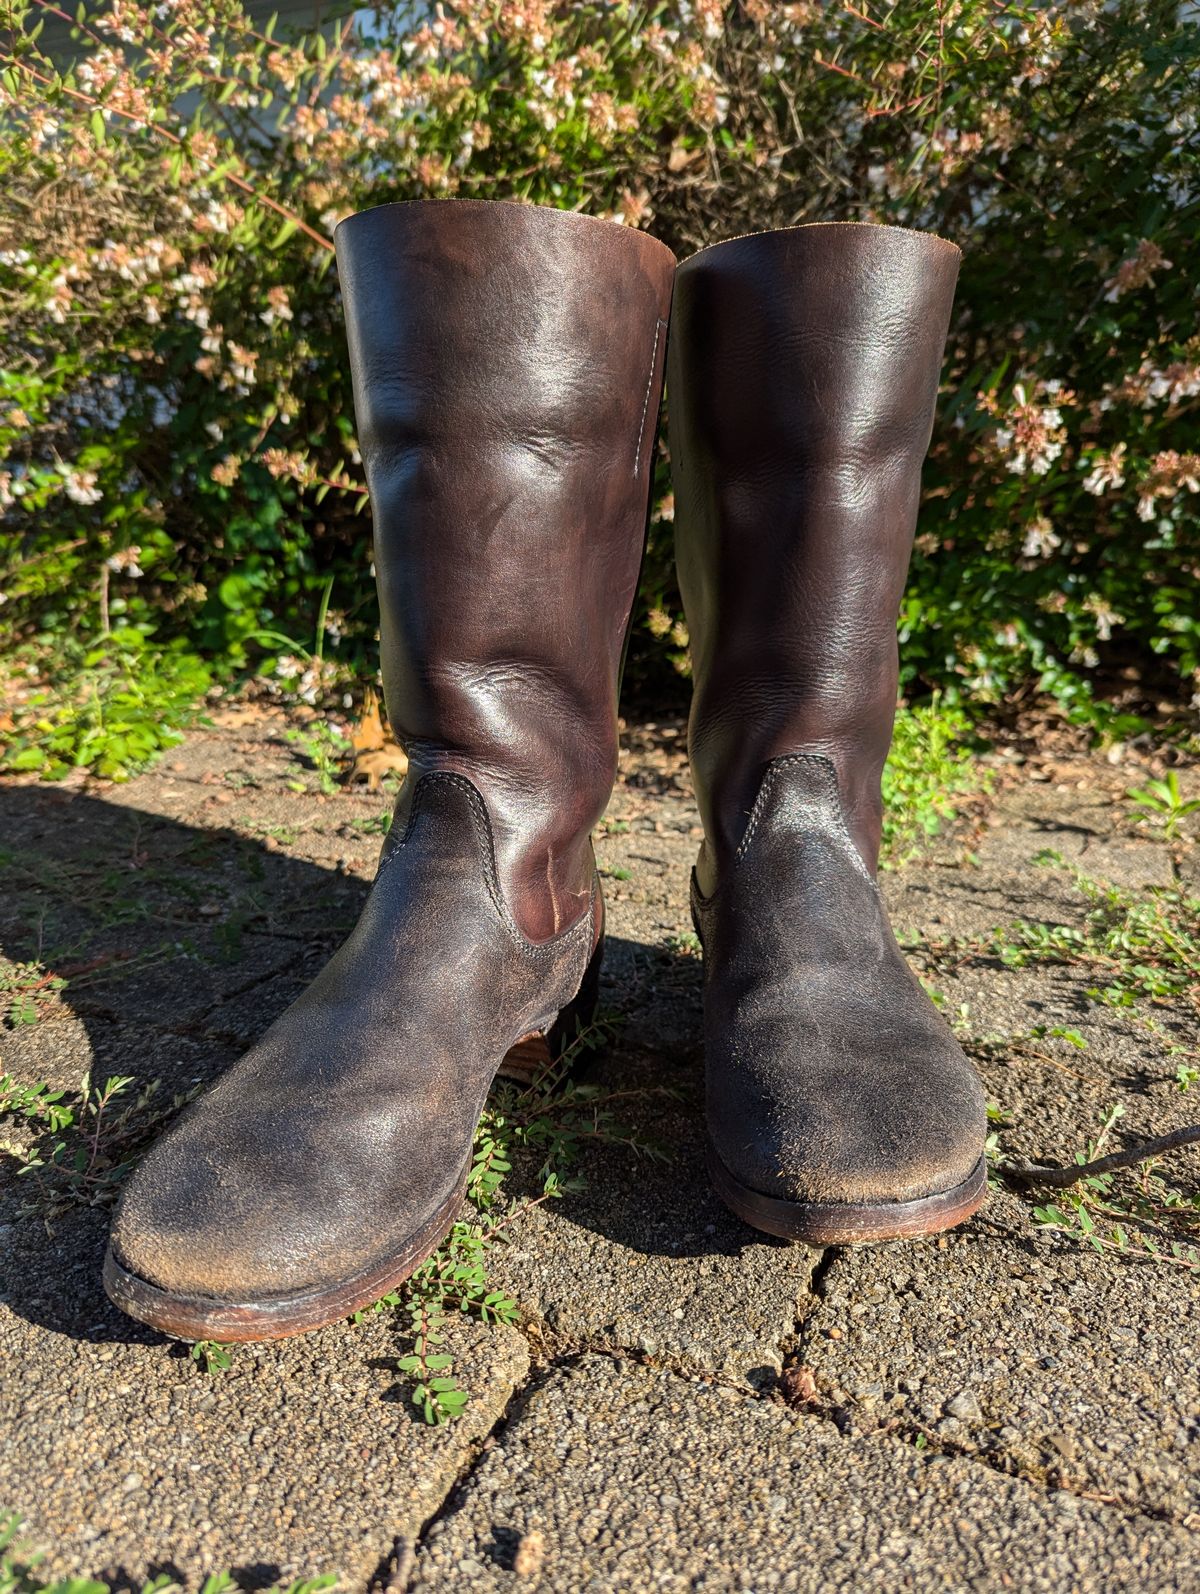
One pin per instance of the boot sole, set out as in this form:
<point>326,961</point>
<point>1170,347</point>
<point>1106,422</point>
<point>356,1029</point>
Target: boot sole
<point>849,1223</point>
<point>193,1317</point>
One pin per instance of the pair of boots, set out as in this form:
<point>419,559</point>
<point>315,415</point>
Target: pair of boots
<point>507,366</point>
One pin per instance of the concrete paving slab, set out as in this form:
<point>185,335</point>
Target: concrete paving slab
<point>646,1260</point>
<point>209,892</point>
<point>609,1477</point>
<point>126,1459</point>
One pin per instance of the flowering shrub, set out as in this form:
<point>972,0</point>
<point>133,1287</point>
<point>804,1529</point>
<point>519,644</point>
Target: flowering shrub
<point>176,436</point>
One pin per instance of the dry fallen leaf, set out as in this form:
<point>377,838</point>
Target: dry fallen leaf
<point>798,1386</point>
<point>368,733</point>
<point>370,767</point>
<point>375,754</point>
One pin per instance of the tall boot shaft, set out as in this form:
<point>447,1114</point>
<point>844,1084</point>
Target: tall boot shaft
<point>507,364</point>
<point>802,375</point>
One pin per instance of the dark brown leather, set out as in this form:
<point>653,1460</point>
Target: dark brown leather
<point>507,363</point>
<point>507,372</point>
<point>831,1077</point>
<point>802,374</point>
<point>804,368</point>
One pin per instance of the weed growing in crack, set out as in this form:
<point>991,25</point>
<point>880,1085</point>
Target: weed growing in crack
<point>1142,944</point>
<point>552,1117</point>
<point>326,749</point>
<point>931,771</point>
<point>21,987</point>
<point>1143,950</point>
<point>1163,800</point>
<point>19,1565</point>
<point>213,1357</point>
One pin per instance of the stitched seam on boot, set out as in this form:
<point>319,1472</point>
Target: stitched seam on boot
<point>659,325</point>
<point>540,951</point>
<point>827,770</point>
<point>774,768</point>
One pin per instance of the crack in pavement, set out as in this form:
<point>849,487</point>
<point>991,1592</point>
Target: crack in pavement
<point>403,1560</point>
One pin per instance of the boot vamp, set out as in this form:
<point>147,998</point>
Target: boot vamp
<point>350,1124</point>
<point>831,1077</point>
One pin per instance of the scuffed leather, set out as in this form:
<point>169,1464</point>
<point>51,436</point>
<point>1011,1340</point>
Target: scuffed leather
<point>802,375</point>
<point>350,1122</point>
<point>507,364</point>
<point>830,1074</point>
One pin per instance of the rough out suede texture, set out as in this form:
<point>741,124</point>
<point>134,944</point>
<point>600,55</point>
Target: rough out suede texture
<point>507,365</point>
<point>802,374</point>
<point>341,1132</point>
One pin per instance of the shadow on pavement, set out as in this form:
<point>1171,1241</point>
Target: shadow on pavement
<point>180,945</point>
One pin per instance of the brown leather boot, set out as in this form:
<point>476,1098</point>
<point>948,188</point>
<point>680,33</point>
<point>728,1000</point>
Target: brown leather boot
<point>507,367</point>
<point>802,375</point>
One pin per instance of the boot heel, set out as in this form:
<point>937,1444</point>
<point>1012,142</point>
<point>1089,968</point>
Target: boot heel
<point>535,1054</point>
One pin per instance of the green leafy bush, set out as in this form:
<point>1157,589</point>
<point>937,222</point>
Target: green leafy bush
<point>112,708</point>
<point>930,772</point>
<point>176,436</point>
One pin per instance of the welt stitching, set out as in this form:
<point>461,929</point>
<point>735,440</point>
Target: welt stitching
<point>637,458</point>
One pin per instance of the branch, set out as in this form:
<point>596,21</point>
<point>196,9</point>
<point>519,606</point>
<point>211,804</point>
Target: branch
<point>12,62</point>
<point>1025,1172</point>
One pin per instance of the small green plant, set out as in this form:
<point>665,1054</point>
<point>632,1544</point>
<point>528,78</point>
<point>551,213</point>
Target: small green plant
<point>373,825</point>
<point>1145,1217</point>
<point>326,749</point>
<point>1166,802</point>
<point>284,835</point>
<point>552,1117</point>
<point>1143,946</point>
<point>38,1103</point>
<point>614,871</point>
<point>111,708</point>
<point>78,1147</point>
<point>21,984</point>
<point>684,943</point>
<point>19,1574</point>
<point>1186,1075</point>
<point>211,1355</point>
<point>996,1116</point>
<point>931,771</point>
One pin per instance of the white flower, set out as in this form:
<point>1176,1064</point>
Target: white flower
<point>81,487</point>
<point>1040,539</point>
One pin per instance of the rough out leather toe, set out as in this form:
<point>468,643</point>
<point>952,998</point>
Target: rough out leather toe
<point>507,366</point>
<point>802,375</point>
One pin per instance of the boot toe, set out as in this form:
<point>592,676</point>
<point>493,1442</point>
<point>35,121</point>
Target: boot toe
<point>851,1127</point>
<point>189,1225</point>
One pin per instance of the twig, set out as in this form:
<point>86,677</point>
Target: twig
<point>240,183</point>
<point>1061,1178</point>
